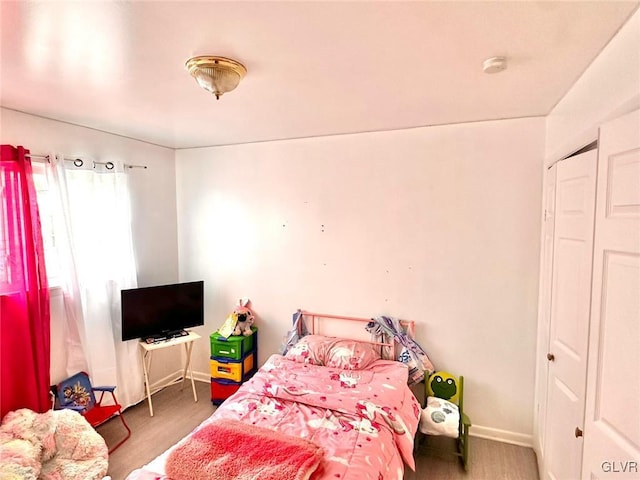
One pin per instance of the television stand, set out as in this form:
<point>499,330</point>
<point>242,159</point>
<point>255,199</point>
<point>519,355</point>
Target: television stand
<point>146,349</point>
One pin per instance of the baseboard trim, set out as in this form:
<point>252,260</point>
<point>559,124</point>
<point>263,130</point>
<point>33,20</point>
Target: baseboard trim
<point>202,377</point>
<point>505,436</point>
<point>165,381</point>
<point>176,377</point>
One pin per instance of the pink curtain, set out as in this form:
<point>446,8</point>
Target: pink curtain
<point>24,292</point>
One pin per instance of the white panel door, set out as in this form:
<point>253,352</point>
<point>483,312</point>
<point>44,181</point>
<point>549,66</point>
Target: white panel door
<point>544,307</point>
<point>569,320</point>
<point>612,416</point>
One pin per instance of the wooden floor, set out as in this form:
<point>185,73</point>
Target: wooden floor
<point>176,414</point>
<point>487,460</point>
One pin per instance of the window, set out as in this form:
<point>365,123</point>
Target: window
<point>45,204</point>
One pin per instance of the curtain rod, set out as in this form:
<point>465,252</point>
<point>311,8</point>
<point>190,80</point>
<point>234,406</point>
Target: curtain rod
<point>78,162</point>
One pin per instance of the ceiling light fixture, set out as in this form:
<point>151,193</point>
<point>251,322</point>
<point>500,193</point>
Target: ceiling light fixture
<point>217,75</point>
<point>494,64</point>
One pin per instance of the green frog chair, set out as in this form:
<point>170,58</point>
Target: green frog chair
<point>443,412</point>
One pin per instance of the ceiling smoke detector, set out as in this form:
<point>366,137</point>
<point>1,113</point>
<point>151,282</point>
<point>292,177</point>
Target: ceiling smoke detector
<point>217,75</point>
<point>494,64</point>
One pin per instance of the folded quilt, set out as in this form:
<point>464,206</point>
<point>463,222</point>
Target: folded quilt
<point>229,449</point>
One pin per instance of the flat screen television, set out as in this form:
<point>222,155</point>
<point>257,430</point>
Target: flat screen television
<point>163,311</point>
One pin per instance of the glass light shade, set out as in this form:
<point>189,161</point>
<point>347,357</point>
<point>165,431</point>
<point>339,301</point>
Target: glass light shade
<point>217,75</point>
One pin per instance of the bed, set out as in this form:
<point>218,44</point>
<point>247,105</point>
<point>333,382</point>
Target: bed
<point>329,408</point>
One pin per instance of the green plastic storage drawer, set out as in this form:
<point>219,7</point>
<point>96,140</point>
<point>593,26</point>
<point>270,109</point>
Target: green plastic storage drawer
<point>235,347</point>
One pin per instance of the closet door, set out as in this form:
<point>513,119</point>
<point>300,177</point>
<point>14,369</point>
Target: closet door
<point>612,417</point>
<point>569,318</point>
<point>544,308</point>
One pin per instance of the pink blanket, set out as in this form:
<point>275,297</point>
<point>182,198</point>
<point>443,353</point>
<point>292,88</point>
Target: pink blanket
<point>229,449</point>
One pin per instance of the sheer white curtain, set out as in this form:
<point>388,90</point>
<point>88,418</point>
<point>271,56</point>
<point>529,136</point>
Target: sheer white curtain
<point>93,237</point>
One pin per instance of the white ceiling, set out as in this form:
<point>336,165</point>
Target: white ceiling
<point>314,68</point>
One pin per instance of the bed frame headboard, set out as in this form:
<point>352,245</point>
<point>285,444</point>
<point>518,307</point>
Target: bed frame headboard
<point>315,322</point>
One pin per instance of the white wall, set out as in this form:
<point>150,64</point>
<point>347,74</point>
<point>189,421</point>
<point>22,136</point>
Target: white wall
<point>153,203</point>
<point>610,87</point>
<point>440,225</point>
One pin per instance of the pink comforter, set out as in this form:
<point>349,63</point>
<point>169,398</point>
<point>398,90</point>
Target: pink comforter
<point>364,420</point>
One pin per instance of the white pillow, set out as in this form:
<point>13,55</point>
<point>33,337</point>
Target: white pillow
<point>440,417</point>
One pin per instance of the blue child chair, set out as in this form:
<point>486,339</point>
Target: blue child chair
<point>77,393</point>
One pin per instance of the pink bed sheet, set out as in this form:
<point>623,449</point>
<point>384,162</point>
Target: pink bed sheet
<point>364,420</point>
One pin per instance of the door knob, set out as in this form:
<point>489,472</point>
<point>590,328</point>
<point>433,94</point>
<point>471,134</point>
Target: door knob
<point>578,432</point>
<point>551,357</point>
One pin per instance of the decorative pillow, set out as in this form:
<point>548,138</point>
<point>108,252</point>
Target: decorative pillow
<point>350,355</point>
<point>440,417</point>
<point>310,349</point>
